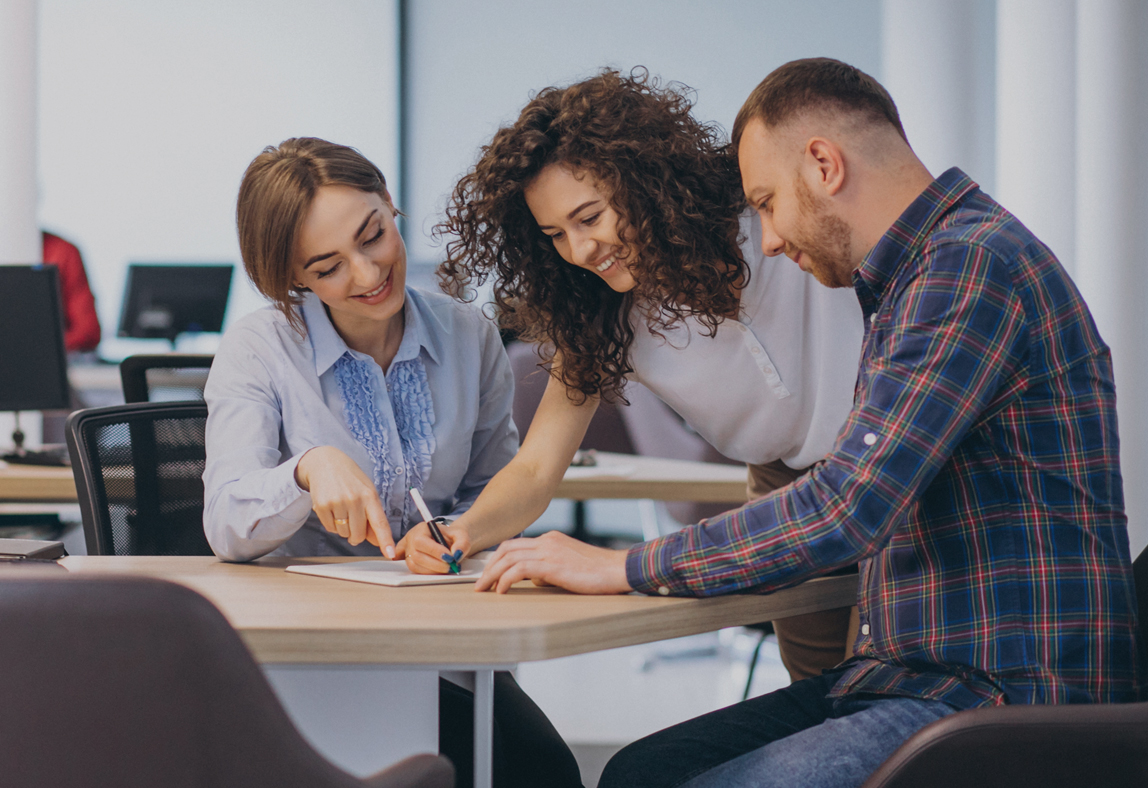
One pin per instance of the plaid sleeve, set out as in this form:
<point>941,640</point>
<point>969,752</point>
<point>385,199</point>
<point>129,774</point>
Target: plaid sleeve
<point>939,354</point>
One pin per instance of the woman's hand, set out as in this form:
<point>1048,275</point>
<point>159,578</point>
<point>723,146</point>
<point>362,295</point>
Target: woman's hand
<point>425,556</point>
<point>558,560</point>
<point>344,498</point>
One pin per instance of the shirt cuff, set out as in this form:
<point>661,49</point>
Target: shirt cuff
<point>650,567</point>
<point>289,504</point>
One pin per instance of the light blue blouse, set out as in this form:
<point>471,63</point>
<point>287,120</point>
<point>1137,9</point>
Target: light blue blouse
<point>273,394</point>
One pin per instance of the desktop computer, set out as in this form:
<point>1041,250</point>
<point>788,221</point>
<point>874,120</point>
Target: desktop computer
<point>33,363</point>
<point>164,301</point>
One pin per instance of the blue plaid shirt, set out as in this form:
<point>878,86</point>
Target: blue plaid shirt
<point>977,479</point>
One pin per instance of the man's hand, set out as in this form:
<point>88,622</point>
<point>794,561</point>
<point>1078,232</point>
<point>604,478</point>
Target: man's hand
<point>556,559</point>
<point>344,498</point>
<point>424,555</point>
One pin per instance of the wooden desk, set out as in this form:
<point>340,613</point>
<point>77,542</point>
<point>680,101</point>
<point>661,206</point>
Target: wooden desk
<point>296,620</point>
<point>285,617</point>
<point>649,477</point>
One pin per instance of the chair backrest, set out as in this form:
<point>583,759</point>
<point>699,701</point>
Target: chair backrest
<point>607,430</point>
<point>1140,578</point>
<point>136,683</point>
<point>164,378</point>
<point>138,471</point>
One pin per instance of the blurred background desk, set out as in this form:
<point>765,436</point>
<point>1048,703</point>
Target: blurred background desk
<point>36,484</point>
<point>617,476</point>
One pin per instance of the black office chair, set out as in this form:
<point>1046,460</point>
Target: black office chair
<point>166,377</point>
<point>138,683</point>
<point>1049,746</point>
<point>138,471</point>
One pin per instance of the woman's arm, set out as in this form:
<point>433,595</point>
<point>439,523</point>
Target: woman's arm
<point>255,498</point>
<point>520,492</point>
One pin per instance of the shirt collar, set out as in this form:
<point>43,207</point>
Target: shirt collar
<point>329,347</point>
<point>905,238</point>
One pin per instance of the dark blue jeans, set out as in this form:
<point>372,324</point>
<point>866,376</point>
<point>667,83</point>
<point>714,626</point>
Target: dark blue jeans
<point>793,737</point>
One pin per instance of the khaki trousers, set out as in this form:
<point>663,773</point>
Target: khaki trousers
<point>814,642</point>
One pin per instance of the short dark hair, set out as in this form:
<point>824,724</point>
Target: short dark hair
<point>816,83</point>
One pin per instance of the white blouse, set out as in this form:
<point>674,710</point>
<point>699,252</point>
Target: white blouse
<point>775,384</point>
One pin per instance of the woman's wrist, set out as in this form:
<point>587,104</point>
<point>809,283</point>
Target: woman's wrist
<point>302,469</point>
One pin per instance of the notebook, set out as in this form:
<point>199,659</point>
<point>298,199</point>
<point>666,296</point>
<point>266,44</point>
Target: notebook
<point>393,573</point>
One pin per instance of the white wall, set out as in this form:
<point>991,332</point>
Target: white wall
<point>474,65</point>
<point>150,111</point>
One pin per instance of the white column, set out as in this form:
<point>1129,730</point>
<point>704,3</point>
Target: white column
<point>927,50</point>
<point>19,233</point>
<point>1112,214</point>
<point>1036,104</point>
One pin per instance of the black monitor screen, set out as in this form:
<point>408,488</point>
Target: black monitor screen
<point>164,301</point>
<point>33,366</point>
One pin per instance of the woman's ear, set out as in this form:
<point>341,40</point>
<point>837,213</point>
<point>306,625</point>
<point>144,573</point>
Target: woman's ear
<point>394,208</point>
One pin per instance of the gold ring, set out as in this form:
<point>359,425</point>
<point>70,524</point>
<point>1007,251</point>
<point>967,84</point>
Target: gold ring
<point>340,522</point>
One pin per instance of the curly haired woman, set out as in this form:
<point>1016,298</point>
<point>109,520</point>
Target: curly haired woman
<point>611,222</point>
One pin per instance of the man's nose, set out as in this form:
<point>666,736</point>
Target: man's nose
<point>771,243</point>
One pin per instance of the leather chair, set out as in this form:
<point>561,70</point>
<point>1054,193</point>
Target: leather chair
<point>138,683</point>
<point>1065,746</point>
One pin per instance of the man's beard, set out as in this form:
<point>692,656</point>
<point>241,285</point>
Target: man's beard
<point>823,238</point>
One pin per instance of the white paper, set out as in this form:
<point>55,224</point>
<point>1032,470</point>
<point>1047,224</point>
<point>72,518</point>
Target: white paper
<point>580,472</point>
<point>393,573</point>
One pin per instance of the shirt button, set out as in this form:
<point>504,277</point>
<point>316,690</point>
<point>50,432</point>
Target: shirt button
<point>755,351</point>
<point>663,591</point>
<point>864,629</point>
<point>398,472</point>
<point>869,439</point>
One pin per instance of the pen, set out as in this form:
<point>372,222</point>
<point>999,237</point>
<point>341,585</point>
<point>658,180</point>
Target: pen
<point>433,524</point>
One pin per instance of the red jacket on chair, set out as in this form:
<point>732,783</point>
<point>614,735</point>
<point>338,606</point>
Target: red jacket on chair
<point>81,325</point>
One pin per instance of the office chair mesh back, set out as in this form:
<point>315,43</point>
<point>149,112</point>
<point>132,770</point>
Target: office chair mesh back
<point>142,487</point>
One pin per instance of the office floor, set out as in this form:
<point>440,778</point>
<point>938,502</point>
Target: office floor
<point>601,702</point>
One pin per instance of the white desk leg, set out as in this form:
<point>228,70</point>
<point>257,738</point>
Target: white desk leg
<point>483,728</point>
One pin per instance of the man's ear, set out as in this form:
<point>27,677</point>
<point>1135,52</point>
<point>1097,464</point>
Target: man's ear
<point>826,163</point>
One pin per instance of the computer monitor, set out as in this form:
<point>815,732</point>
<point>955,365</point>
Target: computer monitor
<point>33,364</point>
<point>164,301</point>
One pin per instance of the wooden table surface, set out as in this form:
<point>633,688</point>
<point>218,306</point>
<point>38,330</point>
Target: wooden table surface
<point>285,617</point>
<point>642,477</point>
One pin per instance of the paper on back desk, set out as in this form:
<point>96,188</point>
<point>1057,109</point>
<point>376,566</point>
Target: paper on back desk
<point>393,573</point>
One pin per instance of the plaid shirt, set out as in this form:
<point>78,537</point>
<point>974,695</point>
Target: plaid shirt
<point>976,480</point>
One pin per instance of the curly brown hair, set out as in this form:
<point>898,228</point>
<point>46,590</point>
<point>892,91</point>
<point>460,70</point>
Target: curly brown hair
<point>674,184</point>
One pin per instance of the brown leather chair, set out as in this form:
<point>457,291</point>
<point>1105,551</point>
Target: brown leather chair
<point>138,683</point>
<point>1049,746</point>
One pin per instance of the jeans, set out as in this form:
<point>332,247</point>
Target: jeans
<point>794,737</point>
